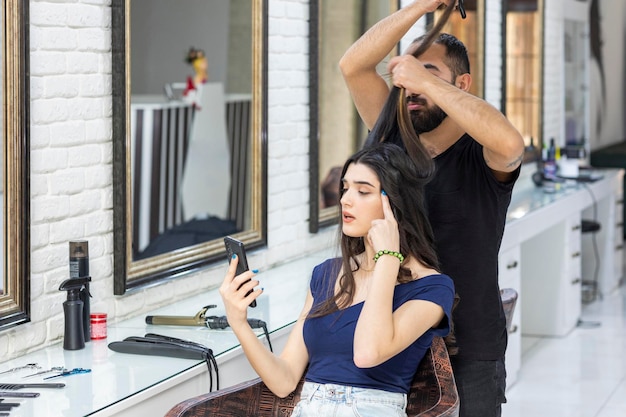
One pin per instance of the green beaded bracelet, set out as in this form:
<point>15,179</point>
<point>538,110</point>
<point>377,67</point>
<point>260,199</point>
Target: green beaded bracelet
<point>388,252</point>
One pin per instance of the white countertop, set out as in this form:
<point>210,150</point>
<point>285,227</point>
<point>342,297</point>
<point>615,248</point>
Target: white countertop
<point>533,210</point>
<point>117,376</point>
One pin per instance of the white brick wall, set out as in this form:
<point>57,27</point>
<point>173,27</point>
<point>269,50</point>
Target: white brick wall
<point>553,111</point>
<point>71,179</point>
<point>493,53</point>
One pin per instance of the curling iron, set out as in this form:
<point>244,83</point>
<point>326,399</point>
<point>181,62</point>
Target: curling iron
<point>200,319</point>
<point>212,322</point>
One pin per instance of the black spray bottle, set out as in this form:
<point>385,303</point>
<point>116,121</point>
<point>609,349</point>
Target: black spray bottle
<point>74,337</point>
<point>79,268</point>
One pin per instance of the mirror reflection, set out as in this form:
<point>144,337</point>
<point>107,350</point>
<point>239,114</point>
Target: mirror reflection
<point>187,86</point>
<point>336,128</point>
<point>470,31</point>
<point>193,132</point>
<point>14,288</point>
<point>524,48</point>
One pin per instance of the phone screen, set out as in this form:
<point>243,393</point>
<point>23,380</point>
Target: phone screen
<point>236,247</point>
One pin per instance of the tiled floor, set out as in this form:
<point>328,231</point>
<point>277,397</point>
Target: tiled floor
<point>580,375</point>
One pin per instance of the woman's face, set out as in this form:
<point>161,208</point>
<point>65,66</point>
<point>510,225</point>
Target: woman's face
<point>360,200</point>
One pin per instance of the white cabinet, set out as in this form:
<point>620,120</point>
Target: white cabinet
<point>618,260</point>
<point>551,279</point>
<point>509,267</point>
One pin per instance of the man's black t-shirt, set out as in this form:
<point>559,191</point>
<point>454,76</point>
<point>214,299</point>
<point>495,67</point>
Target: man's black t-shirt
<point>467,209</point>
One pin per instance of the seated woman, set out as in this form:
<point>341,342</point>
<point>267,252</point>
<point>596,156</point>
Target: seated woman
<point>370,315</point>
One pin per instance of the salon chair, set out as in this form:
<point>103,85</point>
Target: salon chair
<point>433,393</point>
<point>590,285</point>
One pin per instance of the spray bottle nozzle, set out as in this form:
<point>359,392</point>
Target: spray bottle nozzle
<point>74,285</point>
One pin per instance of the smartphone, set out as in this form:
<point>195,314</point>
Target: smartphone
<point>236,247</point>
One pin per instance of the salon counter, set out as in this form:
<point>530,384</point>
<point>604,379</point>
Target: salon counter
<point>135,385</point>
<point>547,258</point>
<point>544,256</point>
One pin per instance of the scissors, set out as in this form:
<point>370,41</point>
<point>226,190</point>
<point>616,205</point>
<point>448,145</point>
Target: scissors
<point>70,372</point>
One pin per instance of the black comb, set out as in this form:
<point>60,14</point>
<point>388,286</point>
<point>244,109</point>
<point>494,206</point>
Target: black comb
<point>9,387</point>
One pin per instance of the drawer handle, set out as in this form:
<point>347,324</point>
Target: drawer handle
<point>620,201</point>
<point>514,329</point>
<point>512,265</point>
<point>576,281</point>
<point>575,254</point>
<point>619,247</point>
<point>620,224</point>
<point>577,227</point>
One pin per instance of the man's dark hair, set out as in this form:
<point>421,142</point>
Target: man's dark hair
<point>456,57</point>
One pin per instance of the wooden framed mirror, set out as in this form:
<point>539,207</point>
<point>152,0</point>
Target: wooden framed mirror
<point>523,76</point>
<point>189,134</point>
<point>14,286</point>
<point>336,130</point>
<point>471,31</point>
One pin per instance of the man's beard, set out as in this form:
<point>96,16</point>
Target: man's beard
<point>428,118</point>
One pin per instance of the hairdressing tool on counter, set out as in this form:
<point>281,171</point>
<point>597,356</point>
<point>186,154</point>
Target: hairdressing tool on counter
<point>74,371</point>
<point>27,366</point>
<point>10,387</point>
<point>198,320</point>
<point>159,345</point>
<point>47,371</point>
<point>5,407</point>
<point>18,394</point>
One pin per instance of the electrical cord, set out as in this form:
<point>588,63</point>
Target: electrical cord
<point>210,360</point>
<point>206,353</point>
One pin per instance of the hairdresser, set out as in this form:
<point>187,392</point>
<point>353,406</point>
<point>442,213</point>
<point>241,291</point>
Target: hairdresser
<point>369,315</point>
<point>477,153</point>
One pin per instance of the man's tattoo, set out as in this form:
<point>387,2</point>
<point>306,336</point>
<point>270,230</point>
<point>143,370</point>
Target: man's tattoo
<point>516,162</point>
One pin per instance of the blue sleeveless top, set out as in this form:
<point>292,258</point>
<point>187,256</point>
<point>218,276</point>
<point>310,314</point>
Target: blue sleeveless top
<point>330,339</point>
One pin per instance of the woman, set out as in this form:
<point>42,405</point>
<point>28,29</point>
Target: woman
<point>370,315</point>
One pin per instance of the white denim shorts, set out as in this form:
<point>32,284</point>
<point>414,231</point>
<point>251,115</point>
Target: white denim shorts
<point>330,400</point>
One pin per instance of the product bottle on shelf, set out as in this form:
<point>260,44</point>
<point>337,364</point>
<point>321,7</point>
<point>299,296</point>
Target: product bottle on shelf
<point>550,168</point>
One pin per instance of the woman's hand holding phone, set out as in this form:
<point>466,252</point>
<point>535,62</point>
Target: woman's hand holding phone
<point>237,291</point>
<point>236,248</point>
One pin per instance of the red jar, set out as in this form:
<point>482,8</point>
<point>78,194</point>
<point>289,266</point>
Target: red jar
<point>98,326</point>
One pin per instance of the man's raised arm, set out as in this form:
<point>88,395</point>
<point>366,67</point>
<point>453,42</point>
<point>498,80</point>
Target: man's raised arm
<point>358,65</point>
